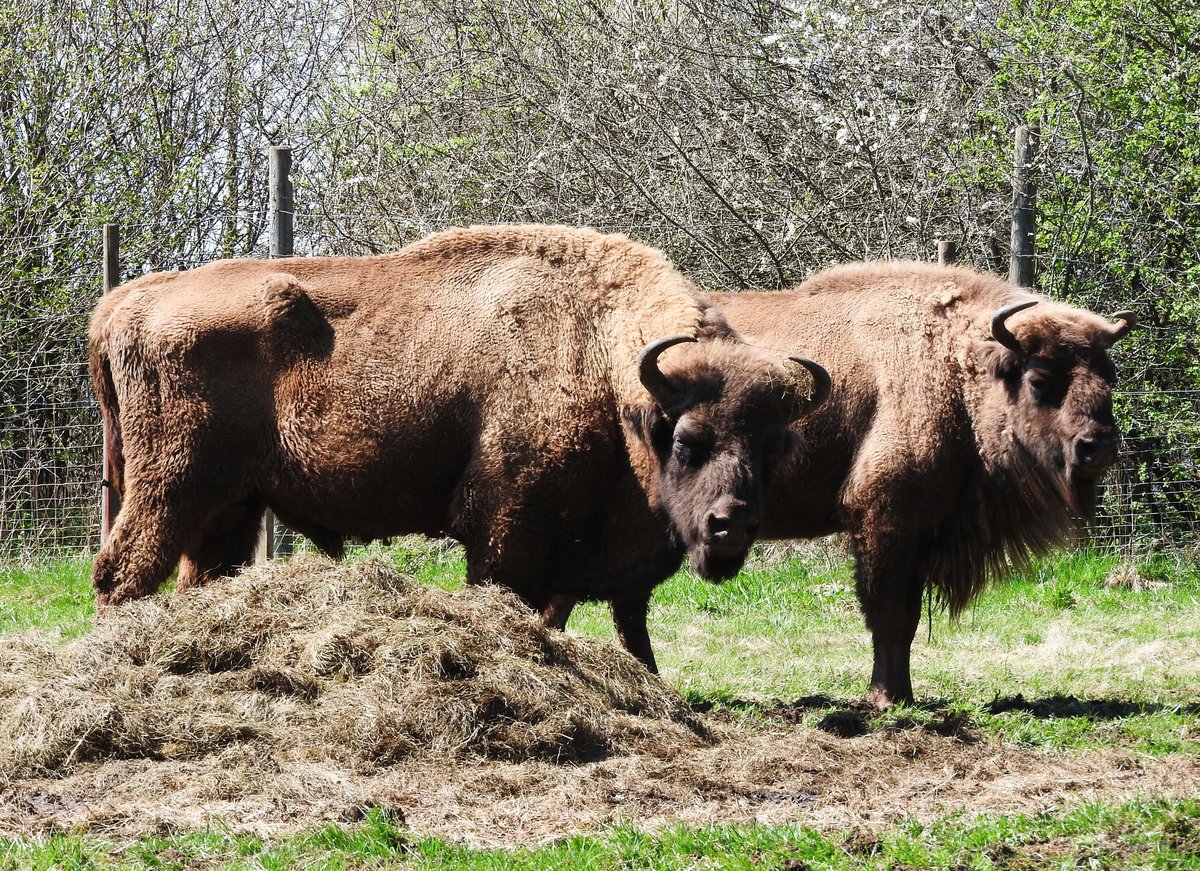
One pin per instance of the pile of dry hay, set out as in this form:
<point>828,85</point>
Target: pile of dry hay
<point>312,661</point>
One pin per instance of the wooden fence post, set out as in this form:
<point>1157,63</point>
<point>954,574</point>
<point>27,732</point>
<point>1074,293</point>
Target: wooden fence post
<point>947,252</point>
<point>275,539</point>
<point>110,502</point>
<point>280,205</point>
<point>1022,263</point>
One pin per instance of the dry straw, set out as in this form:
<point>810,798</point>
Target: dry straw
<point>314,661</point>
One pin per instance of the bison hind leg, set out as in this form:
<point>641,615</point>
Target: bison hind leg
<point>557,611</point>
<point>145,543</point>
<point>329,543</point>
<point>629,616</point>
<point>224,545</point>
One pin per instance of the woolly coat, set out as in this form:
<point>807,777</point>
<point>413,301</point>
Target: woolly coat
<point>922,450</point>
<point>471,384</point>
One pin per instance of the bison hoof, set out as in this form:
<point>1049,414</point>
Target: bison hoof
<point>881,699</point>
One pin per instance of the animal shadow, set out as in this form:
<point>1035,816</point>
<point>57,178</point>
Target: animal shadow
<point>1099,710</point>
<point>851,718</point>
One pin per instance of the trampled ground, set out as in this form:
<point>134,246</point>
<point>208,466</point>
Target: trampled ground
<point>774,774</point>
<point>309,693</point>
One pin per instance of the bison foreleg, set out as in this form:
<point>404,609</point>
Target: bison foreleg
<point>890,593</point>
<point>629,615</point>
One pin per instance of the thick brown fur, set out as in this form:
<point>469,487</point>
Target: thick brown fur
<point>482,383</point>
<point>947,457</point>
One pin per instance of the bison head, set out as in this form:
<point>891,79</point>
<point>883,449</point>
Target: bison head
<point>1052,385</point>
<point>715,429</point>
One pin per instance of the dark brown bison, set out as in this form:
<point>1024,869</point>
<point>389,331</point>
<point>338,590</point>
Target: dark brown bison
<point>562,402</point>
<point>969,424</point>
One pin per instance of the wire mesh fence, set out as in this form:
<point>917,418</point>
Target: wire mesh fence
<point>753,143</point>
<point>50,442</point>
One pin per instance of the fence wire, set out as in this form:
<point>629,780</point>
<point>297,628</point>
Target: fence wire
<point>50,446</point>
<point>50,450</point>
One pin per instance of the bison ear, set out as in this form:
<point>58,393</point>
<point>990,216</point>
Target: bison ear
<point>1128,320</point>
<point>650,424</point>
<point>999,361</point>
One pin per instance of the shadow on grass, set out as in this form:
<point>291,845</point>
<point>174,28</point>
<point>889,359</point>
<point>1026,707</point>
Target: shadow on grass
<point>849,719</point>
<point>1099,710</point>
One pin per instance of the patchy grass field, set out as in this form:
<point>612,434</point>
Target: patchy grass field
<point>1059,727</point>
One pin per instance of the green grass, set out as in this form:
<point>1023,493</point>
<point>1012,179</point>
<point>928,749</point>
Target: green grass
<point>1135,834</point>
<point>56,597</point>
<point>1059,659</point>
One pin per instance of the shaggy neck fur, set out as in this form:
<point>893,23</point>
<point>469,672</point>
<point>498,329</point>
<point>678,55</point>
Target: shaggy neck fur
<point>1009,514</point>
<point>1014,508</point>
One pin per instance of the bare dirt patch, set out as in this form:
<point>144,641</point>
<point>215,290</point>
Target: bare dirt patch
<point>311,691</point>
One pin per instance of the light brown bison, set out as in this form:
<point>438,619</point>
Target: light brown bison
<point>500,385</point>
<point>969,424</point>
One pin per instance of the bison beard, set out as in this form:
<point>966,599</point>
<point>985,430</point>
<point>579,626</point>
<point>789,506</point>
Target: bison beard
<point>493,384</point>
<point>718,567</point>
<point>969,425</point>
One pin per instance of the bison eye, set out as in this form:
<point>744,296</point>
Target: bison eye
<point>691,446</point>
<point>1047,388</point>
<point>690,451</point>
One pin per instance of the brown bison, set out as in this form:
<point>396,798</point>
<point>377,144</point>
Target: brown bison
<point>510,387</point>
<point>968,424</point>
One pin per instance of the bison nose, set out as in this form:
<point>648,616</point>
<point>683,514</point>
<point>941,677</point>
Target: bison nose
<point>1097,451</point>
<point>733,529</point>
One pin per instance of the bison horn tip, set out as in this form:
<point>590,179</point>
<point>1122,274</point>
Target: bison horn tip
<point>1128,322</point>
<point>1000,331</point>
<point>822,383</point>
<point>651,376</point>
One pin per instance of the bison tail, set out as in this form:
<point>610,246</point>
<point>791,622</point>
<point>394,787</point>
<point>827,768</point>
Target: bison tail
<point>106,392</point>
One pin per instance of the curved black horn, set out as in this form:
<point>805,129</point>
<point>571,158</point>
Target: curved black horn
<point>822,383</point>
<point>651,376</point>
<point>1000,332</point>
<point>1129,322</point>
